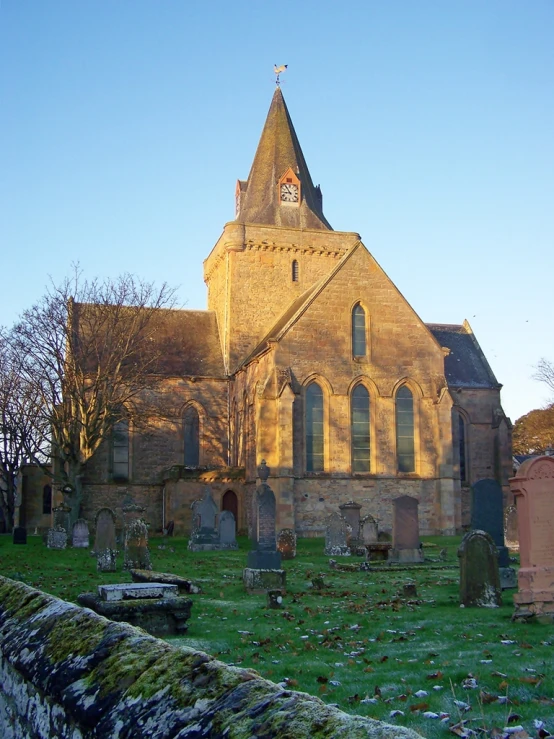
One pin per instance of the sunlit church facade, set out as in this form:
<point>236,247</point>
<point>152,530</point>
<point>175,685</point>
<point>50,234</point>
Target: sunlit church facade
<point>309,357</point>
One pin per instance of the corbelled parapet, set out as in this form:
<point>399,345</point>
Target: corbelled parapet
<point>65,670</point>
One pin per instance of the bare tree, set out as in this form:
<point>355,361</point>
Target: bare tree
<point>545,372</point>
<point>21,435</point>
<point>91,355</point>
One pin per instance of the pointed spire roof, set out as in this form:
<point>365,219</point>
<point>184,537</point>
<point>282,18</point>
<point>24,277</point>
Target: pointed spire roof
<point>279,151</point>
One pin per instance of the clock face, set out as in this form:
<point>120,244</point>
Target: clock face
<point>289,192</point>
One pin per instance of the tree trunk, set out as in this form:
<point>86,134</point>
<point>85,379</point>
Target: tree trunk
<point>74,499</point>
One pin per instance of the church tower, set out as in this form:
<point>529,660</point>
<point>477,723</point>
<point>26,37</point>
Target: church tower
<point>279,245</point>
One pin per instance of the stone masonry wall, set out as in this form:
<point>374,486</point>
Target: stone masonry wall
<point>69,673</point>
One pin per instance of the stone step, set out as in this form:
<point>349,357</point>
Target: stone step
<point>131,591</point>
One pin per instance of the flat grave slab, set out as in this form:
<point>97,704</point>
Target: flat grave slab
<point>132,591</point>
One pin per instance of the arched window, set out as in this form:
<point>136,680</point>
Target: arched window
<point>294,270</point>
<point>47,499</point>
<point>359,428</point>
<point>358,331</point>
<point>314,428</point>
<point>120,450</point>
<point>405,455</point>
<point>462,448</point>
<point>191,428</point>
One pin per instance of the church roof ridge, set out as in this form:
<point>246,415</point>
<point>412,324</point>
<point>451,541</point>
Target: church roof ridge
<point>278,151</point>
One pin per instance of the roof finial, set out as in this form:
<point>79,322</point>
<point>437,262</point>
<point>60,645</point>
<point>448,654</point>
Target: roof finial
<point>278,71</point>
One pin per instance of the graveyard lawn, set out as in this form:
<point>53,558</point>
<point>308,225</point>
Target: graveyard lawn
<point>356,639</point>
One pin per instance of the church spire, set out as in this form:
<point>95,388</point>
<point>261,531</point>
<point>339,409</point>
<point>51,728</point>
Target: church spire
<point>279,190</point>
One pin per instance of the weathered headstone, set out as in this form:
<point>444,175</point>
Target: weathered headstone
<point>56,538</point>
<point>511,536</point>
<point>533,490</point>
<point>62,517</point>
<point>487,514</point>
<point>131,510</point>
<point>351,513</point>
<point>336,532</point>
<point>204,535</point>
<point>105,546</point>
<point>405,531</point>
<point>227,530</point>
<point>479,575</point>
<point>369,530</point>
<point>20,535</point>
<point>263,571</point>
<point>137,555</point>
<point>80,536</point>
<point>286,543</point>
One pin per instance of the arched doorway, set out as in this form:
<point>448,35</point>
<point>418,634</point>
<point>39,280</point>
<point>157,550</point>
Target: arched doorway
<point>230,503</point>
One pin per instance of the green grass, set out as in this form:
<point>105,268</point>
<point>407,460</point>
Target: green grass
<point>356,640</point>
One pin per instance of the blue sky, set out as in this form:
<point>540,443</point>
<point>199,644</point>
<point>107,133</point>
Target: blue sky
<point>124,125</point>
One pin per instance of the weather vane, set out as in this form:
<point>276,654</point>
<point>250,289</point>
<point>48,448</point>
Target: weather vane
<point>278,71</point>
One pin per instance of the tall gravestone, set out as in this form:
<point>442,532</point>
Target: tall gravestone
<point>286,543</point>
<point>533,490</point>
<point>105,547</point>
<point>137,554</point>
<point>511,536</point>
<point>336,533</point>
<point>227,530</point>
<point>405,531</point>
<point>487,514</point>
<point>369,530</point>
<point>80,537</point>
<point>263,571</point>
<point>479,575</point>
<point>20,535</point>
<point>57,535</point>
<point>204,536</point>
<point>351,513</point>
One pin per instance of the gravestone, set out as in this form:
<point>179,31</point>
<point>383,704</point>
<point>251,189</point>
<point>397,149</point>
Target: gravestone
<point>20,535</point>
<point>136,555</point>
<point>511,537</point>
<point>104,541</point>
<point>56,538</point>
<point>369,530</point>
<point>263,571</point>
<point>336,532</point>
<point>131,510</point>
<point>487,514</point>
<point>405,531</point>
<point>62,517</point>
<point>80,536</point>
<point>351,513</point>
<point>227,530</point>
<point>204,536</point>
<point>533,490</point>
<point>286,543</point>
<point>479,575</point>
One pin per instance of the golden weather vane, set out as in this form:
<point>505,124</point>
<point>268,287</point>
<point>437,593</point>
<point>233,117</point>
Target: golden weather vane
<point>278,71</point>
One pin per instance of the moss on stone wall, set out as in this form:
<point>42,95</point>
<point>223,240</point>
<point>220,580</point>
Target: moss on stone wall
<point>108,678</point>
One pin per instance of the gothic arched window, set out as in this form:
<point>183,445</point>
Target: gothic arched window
<point>120,450</point>
<point>405,452</point>
<point>294,270</point>
<point>359,428</point>
<point>314,428</point>
<point>358,331</point>
<point>191,433</point>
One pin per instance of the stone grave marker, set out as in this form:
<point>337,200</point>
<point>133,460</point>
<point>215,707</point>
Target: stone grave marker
<point>511,537</point>
<point>136,554</point>
<point>20,535</point>
<point>227,530</point>
<point>487,514</point>
<point>336,532</point>
<point>533,490</point>
<point>204,536</point>
<point>80,535</point>
<point>56,538</point>
<point>104,541</point>
<point>286,543</point>
<point>369,530</point>
<point>479,575</point>
<point>405,531</point>
<point>62,517</point>
<point>351,513</point>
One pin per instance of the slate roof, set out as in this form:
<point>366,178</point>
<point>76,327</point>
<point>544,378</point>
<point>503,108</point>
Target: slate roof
<point>278,150</point>
<point>466,365</point>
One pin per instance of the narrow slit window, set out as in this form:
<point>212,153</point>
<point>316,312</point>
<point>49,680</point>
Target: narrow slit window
<point>120,450</point>
<point>405,450</point>
<point>314,429</point>
<point>294,270</point>
<point>358,331</point>
<point>47,499</point>
<point>360,434</point>
<point>462,447</point>
<point>191,423</point>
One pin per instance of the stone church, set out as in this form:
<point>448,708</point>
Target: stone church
<point>309,357</point>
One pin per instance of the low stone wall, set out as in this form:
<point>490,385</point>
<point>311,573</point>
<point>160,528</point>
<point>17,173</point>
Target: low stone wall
<point>68,673</point>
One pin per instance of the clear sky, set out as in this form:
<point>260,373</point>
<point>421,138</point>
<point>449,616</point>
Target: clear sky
<point>124,125</point>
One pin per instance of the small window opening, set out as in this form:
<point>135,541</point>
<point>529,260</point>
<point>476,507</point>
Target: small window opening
<point>295,271</point>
